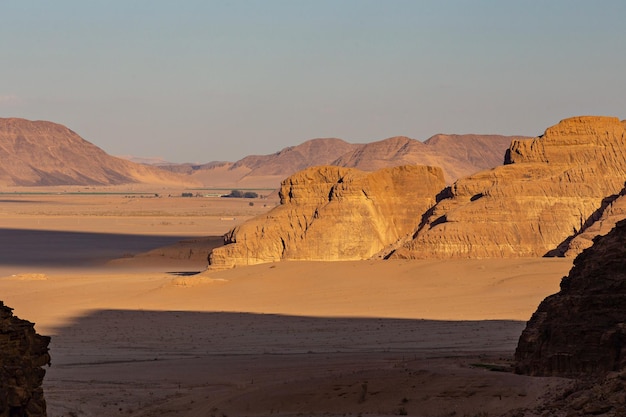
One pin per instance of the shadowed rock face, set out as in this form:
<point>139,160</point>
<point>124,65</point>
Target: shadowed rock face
<point>581,331</point>
<point>23,353</point>
<point>334,213</point>
<point>551,188</point>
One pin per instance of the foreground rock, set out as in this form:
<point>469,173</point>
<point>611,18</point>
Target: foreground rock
<point>549,190</point>
<point>23,353</point>
<point>581,331</point>
<point>332,213</point>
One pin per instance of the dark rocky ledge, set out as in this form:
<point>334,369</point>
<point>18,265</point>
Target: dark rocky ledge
<point>23,354</point>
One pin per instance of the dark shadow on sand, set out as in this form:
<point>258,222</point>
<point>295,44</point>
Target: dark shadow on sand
<point>114,336</point>
<point>73,249</point>
<point>184,273</point>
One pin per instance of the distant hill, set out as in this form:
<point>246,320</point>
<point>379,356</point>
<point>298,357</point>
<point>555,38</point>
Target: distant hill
<point>39,153</point>
<point>457,155</point>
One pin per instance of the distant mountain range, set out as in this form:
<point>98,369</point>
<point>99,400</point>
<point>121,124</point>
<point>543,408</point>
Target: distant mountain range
<point>457,155</point>
<point>45,154</point>
<point>39,153</point>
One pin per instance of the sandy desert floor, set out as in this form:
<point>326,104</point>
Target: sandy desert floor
<point>141,329</point>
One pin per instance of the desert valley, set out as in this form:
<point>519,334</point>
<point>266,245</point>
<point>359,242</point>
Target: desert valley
<point>396,277</point>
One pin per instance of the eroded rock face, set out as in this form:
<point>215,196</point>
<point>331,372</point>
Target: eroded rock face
<point>581,331</point>
<point>23,353</point>
<point>613,210</point>
<point>334,213</point>
<point>549,190</point>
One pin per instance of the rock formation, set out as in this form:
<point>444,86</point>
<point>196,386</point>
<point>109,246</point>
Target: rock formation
<point>581,331</point>
<point>334,213</point>
<point>39,153</point>
<point>613,210</point>
<point>549,189</point>
<point>23,353</point>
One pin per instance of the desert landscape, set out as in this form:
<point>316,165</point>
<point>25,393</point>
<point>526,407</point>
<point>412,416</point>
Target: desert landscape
<point>138,332</point>
<point>344,292</point>
<point>329,209</point>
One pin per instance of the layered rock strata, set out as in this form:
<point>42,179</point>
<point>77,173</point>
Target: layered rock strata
<point>613,210</point>
<point>334,213</point>
<point>550,188</point>
<point>581,331</point>
<point>23,353</point>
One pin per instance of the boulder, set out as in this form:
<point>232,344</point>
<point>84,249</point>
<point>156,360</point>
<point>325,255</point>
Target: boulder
<point>334,213</point>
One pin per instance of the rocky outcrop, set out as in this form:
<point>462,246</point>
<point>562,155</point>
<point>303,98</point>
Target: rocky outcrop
<point>334,213</point>
<point>40,153</point>
<point>23,353</point>
<point>581,331</point>
<point>549,189</point>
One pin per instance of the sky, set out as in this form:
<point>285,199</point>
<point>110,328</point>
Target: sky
<point>206,80</point>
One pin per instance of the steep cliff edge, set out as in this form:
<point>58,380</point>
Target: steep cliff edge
<point>23,353</point>
<point>581,330</point>
<point>334,213</point>
<point>549,189</point>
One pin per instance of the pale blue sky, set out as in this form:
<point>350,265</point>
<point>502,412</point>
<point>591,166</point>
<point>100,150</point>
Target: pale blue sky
<point>201,80</point>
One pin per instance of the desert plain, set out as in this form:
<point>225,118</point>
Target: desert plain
<point>117,277</point>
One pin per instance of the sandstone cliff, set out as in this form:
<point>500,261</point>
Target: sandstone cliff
<point>334,213</point>
<point>23,353</point>
<point>551,188</point>
<point>581,330</point>
<point>39,153</point>
<point>613,209</point>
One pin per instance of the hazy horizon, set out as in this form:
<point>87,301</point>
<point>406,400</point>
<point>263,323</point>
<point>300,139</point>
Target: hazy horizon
<point>199,81</point>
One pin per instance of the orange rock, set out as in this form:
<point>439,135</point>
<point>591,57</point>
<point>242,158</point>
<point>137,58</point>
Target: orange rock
<point>334,213</point>
<point>549,190</point>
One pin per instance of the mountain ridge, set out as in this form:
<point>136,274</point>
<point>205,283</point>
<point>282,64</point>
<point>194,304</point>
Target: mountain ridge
<point>42,153</point>
<point>457,155</point>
